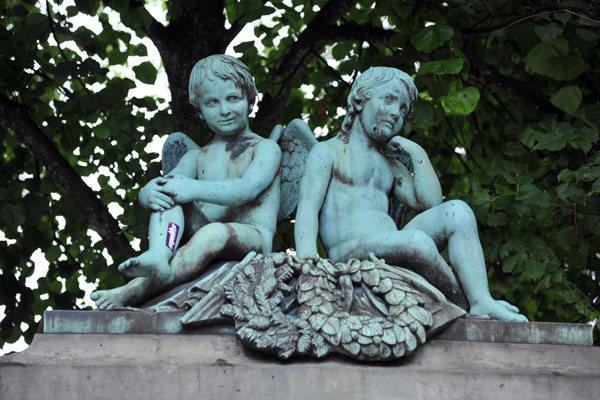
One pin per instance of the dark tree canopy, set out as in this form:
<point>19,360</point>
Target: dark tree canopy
<point>508,112</point>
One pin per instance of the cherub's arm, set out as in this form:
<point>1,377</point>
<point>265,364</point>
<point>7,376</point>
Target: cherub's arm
<point>154,197</point>
<point>230,192</point>
<point>313,188</point>
<point>420,190</point>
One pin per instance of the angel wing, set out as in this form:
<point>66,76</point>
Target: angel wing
<point>176,145</point>
<point>295,141</point>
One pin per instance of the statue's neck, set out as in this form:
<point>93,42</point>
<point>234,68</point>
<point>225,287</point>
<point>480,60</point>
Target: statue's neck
<point>360,136</point>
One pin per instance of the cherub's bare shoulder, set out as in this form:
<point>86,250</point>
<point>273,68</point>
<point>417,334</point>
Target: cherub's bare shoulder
<point>192,155</point>
<point>196,152</point>
<point>322,153</point>
<point>266,145</point>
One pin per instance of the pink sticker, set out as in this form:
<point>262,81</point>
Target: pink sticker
<point>172,232</point>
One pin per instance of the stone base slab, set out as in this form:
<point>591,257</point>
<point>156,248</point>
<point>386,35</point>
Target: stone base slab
<point>469,329</point>
<point>209,366</point>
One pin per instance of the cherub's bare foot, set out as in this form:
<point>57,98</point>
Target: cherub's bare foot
<point>110,299</point>
<point>148,264</point>
<point>498,309</point>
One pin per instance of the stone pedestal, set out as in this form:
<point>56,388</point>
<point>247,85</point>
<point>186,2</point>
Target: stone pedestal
<point>217,366</point>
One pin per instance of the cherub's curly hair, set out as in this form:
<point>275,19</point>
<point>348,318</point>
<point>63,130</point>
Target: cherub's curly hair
<point>364,85</point>
<point>223,67</point>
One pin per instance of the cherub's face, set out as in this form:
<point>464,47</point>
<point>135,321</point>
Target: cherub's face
<point>223,106</point>
<point>383,114</point>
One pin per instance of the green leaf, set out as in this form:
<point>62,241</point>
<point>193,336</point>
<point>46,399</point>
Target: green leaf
<point>431,37</point>
<point>562,46</point>
<point>53,253</point>
<point>530,194</point>
<point>570,296</point>
<point>12,215</point>
<point>593,115</point>
<point>38,26</point>
<point>566,237</point>
<point>242,47</point>
<point>535,269</point>
<point>398,40</point>
<point>106,129</point>
<point>54,285</point>
<point>145,72</point>
<point>566,175</point>
<point>340,51</point>
<point>527,137</point>
<point>461,102</point>
<point>547,33</point>
<point>587,34</point>
<point>562,17</point>
<point>584,139</point>
<point>72,11</point>
<point>565,68</point>
<point>87,6</point>
<point>496,219</point>
<point>424,113</point>
<point>567,99</point>
<point>513,262</point>
<point>552,59</point>
<point>452,66</point>
<point>538,58</point>
<point>554,140</point>
<point>480,197</point>
<point>72,286</point>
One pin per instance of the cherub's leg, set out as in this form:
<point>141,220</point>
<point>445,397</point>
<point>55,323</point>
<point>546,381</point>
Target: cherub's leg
<point>230,241</point>
<point>227,241</point>
<point>454,223</point>
<point>134,292</point>
<point>165,231</point>
<point>412,249</point>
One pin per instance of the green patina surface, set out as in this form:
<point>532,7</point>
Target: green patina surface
<point>474,330</point>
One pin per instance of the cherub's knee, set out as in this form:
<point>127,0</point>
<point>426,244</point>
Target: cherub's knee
<point>212,236</point>
<point>217,233</point>
<point>459,213</point>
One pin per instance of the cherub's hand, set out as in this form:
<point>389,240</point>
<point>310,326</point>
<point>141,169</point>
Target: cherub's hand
<point>399,145</point>
<point>179,188</point>
<point>153,197</point>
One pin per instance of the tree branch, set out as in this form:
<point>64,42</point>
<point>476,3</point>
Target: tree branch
<point>196,33</point>
<point>16,118</point>
<point>232,32</point>
<point>318,33</point>
<point>588,14</point>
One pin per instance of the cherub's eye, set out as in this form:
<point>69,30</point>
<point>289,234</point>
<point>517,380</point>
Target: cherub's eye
<point>234,99</point>
<point>390,99</point>
<point>210,103</point>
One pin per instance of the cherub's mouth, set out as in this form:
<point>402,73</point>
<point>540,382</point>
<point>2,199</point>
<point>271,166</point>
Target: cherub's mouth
<point>390,123</point>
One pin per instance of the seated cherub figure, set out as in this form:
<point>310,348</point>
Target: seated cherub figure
<point>224,196</point>
<point>348,185</point>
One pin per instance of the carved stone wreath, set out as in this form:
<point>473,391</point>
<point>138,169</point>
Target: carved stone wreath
<point>286,305</point>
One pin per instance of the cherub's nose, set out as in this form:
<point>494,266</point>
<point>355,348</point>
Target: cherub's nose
<point>223,108</point>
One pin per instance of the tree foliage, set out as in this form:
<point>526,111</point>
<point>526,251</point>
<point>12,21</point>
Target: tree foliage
<point>508,112</point>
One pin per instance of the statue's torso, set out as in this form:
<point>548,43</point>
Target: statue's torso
<point>357,202</point>
<point>219,161</point>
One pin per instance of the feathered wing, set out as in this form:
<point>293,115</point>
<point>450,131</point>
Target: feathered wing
<point>175,147</point>
<point>295,141</point>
